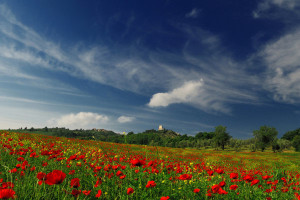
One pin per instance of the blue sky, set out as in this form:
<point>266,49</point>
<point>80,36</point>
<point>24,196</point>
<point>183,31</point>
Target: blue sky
<point>132,65</point>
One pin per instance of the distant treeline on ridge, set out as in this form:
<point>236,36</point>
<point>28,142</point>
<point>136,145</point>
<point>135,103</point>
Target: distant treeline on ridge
<point>265,137</point>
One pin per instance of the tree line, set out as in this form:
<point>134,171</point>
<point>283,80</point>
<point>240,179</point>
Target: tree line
<point>263,138</point>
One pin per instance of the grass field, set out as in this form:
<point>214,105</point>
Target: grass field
<point>35,166</point>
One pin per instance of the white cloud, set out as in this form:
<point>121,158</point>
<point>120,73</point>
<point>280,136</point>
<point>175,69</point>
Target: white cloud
<point>125,119</point>
<point>79,120</point>
<point>184,94</point>
<point>282,58</point>
<point>277,9</point>
<point>193,13</point>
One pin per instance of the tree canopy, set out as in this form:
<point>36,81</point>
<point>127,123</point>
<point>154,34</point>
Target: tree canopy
<point>221,138</point>
<point>264,137</point>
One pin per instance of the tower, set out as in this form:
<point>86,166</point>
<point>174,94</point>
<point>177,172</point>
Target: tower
<point>160,128</point>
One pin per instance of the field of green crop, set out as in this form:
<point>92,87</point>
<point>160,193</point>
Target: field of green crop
<point>36,166</point>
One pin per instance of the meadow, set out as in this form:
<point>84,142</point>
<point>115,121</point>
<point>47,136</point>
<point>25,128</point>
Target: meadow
<point>34,166</point>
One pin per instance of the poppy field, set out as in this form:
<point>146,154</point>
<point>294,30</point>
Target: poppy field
<point>36,166</point>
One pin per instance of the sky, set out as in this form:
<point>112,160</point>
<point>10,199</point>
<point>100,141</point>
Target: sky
<point>133,65</point>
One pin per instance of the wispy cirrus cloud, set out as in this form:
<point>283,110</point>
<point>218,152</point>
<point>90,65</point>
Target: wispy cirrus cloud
<point>282,58</point>
<point>98,63</point>
<point>286,10</point>
<point>194,13</point>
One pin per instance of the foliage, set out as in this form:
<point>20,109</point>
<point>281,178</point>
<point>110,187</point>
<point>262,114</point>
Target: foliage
<point>205,135</point>
<point>221,138</point>
<point>264,137</point>
<point>296,143</point>
<point>291,134</point>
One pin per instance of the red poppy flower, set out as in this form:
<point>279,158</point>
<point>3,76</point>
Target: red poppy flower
<point>7,185</point>
<point>99,194</point>
<point>72,172</point>
<point>234,175</point>
<point>119,173</point>
<point>137,162</point>
<point>98,182</point>
<point>219,171</point>
<point>268,190</point>
<point>221,191</point>
<point>122,177</point>
<point>7,193</point>
<point>215,188</point>
<point>55,177</point>
<point>14,170</point>
<point>85,192</point>
<point>222,184</point>
<point>130,190</point>
<point>185,177</point>
<point>266,177</point>
<point>20,159</point>
<point>284,189</point>
<point>165,198</point>
<point>197,190</point>
<point>254,182</point>
<point>210,172</point>
<point>41,176</point>
<point>75,192</point>
<point>297,196</point>
<point>75,183</point>
<point>44,164</point>
<point>208,194</point>
<point>150,184</point>
<point>248,178</point>
<point>233,187</point>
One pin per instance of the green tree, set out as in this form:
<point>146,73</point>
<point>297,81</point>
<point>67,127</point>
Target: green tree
<point>291,134</point>
<point>264,137</point>
<point>221,138</point>
<point>204,135</point>
<point>296,143</point>
<point>130,133</point>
